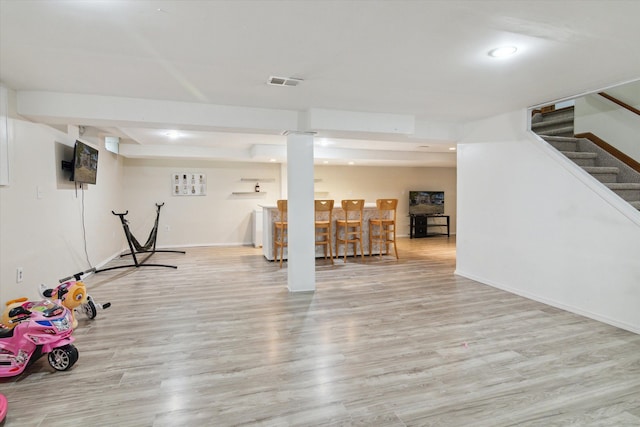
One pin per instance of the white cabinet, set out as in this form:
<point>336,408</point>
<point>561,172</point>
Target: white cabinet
<point>257,228</point>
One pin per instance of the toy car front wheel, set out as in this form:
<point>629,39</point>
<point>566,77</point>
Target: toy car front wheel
<point>89,309</point>
<point>63,358</point>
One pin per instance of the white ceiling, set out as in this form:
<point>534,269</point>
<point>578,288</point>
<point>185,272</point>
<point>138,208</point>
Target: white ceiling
<point>423,59</point>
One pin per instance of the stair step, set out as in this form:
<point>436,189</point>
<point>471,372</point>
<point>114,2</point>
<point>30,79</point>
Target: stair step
<point>563,112</point>
<point>579,154</point>
<point>553,122</point>
<point>562,143</point>
<point>555,138</point>
<point>629,191</point>
<point>581,158</point>
<point>604,174</point>
<point>602,169</point>
<point>623,185</point>
<point>560,131</point>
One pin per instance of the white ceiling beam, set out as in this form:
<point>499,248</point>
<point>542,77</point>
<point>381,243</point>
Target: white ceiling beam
<point>318,119</point>
<point>138,151</point>
<point>96,110</point>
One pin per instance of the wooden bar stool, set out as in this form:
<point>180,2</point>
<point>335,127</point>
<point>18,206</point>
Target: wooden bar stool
<point>324,227</point>
<point>280,231</point>
<point>384,221</point>
<point>351,227</point>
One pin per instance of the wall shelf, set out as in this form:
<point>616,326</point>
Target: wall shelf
<point>244,193</point>
<point>258,179</point>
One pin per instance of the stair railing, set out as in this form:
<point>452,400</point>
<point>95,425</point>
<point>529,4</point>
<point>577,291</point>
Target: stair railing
<point>611,150</point>
<point>620,103</point>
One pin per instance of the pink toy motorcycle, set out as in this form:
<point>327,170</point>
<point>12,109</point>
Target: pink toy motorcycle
<point>32,329</point>
<point>3,407</point>
<point>73,294</point>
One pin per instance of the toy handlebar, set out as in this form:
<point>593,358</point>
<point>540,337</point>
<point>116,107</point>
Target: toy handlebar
<point>77,276</point>
<point>17,311</point>
<point>19,319</point>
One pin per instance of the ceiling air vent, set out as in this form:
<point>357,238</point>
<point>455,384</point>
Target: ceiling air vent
<point>283,81</point>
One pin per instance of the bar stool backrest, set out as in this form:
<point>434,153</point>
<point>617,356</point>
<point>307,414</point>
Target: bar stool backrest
<point>387,205</point>
<point>282,210</point>
<point>323,206</point>
<point>353,210</point>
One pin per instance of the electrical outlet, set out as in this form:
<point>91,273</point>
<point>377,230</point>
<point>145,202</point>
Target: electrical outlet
<point>19,275</point>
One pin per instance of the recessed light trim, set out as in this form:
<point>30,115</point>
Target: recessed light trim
<point>503,51</point>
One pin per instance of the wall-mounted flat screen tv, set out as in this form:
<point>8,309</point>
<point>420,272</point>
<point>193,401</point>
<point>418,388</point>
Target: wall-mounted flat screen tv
<point>426,202</point>
<point>85,163</point>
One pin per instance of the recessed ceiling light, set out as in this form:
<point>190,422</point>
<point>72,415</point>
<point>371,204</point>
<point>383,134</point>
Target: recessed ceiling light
<point>323,142</point>
<point>326,162</point>
<point>501,52</point>
<point>173,134</point>
<point>452,148</point>
<point>272,160</point>
<point>351,163</point>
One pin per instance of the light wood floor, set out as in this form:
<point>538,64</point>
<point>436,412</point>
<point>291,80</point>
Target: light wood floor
<point>221,342</point>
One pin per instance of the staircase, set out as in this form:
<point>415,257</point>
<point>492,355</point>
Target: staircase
<point>556,128</point>
<point>554,123</point>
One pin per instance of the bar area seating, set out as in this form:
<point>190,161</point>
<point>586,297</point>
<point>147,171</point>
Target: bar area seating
<point>324,226</point>
<point>280,230</point>
<point>349,229</point>
<point>382,227</point>
<point>271,215</point>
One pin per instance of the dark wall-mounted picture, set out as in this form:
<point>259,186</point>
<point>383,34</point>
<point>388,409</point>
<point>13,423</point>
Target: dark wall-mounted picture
<point>426,202</point>
<point>85,163</point>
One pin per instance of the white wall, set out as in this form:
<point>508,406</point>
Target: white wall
<point>610,122</point>
<point>532,223</point>
<point>371,183</point>
<point>41,213</point>
<point>220,218</point>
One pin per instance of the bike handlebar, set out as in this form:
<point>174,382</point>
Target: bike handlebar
<point>117,214</point>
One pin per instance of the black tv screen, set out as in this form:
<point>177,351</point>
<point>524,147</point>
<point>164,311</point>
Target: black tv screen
<point>85,163</point>
<point>426,202</point>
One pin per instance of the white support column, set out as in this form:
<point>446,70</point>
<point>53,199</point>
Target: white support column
<point>301,261</point>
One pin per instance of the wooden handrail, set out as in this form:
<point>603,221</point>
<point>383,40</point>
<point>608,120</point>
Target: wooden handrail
<point>632,163</point>
<point>620,103</point>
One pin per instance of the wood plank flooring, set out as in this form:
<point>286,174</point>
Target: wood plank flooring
<point>221,342</point>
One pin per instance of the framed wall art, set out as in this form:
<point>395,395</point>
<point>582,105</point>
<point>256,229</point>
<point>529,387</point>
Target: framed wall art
<point>188,184</point>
